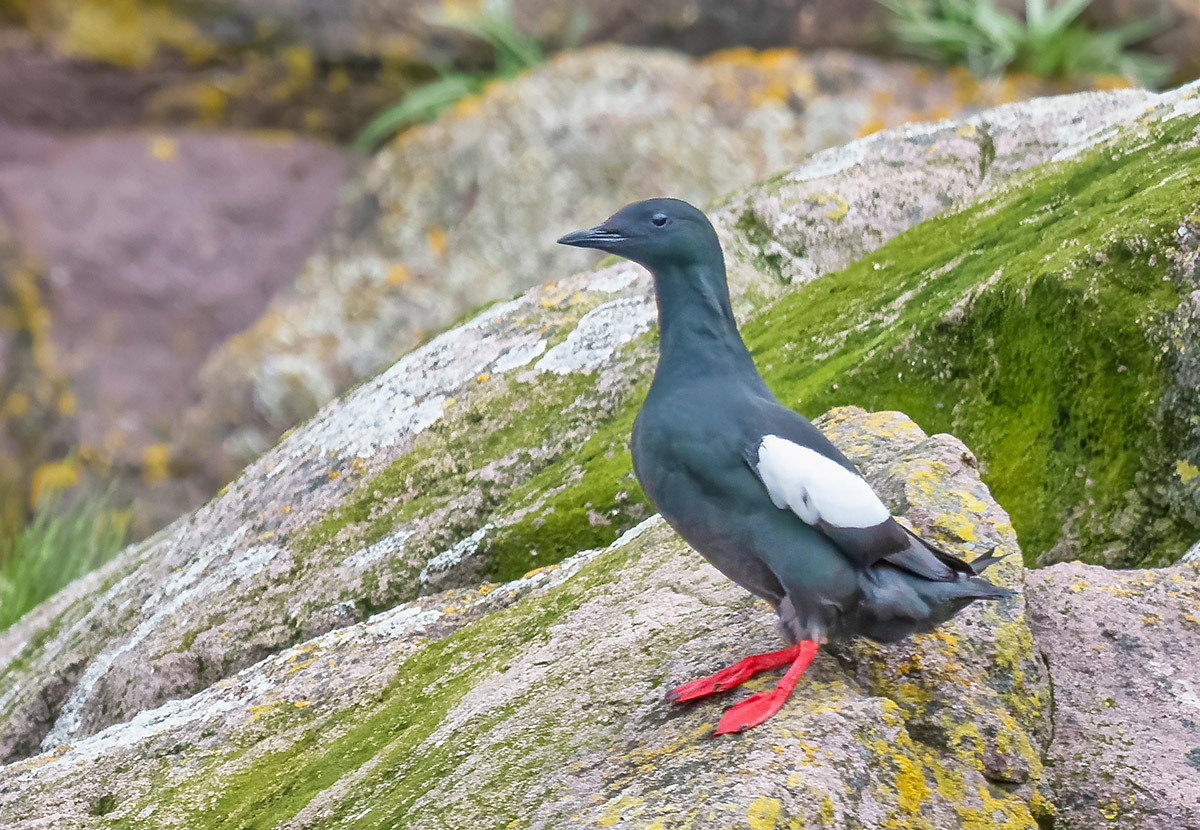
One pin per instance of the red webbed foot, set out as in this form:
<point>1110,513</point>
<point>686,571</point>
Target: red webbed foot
<point>734,675</point>
<point>760,706</point>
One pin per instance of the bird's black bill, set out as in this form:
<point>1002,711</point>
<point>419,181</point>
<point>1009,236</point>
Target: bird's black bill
<point>600,237</point>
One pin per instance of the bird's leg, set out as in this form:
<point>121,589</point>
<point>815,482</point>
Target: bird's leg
<point>734,675</point>
<point>748,713</point>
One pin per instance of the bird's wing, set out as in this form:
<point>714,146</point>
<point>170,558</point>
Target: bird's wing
<point>837,500</point>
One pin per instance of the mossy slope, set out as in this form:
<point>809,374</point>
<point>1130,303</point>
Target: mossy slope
<point>1035,325</point>
<point>1042,324</point>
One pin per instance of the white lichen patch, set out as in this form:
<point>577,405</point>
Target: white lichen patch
<point>1083,134</point>
<point>518,356</point>
<point>615,278</point>
<point>450,557</point>
<point>388,546</point>
<point>253,560</point>
<point>411,395</point>
<point>601,332</point>
<point>636,531</point>
<point>1186,101</point>
<point>202,578</point>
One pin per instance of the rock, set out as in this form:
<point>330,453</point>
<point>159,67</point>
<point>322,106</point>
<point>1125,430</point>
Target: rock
<point>1123,654</point>
<point>497,447</point>
<point>1064,354</point>
<point>1192,554</point>
<point>700,26</point>
<point>542,701</point>
<point>138,253</point>
<point>500,447</point>
<point>465,210</point>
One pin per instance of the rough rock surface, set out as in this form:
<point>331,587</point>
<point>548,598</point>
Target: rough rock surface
<point>501,446</point>
<point>498,447</point>
<point>139,252</point>
<point>465,210</point>
<point>1053,325</point>
<point>541,702</point>
<point>1124,656</point>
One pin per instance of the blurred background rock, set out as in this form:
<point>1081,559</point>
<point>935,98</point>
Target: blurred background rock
<point>193,259</point>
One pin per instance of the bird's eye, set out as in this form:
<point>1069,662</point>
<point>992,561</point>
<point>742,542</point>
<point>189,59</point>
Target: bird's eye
<point>659,219</point>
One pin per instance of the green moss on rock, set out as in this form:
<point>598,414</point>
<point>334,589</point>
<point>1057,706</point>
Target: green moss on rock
<point>1028,324</point>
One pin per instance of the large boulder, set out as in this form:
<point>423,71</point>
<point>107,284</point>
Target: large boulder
<point>500,447</point>
<point>541,701</point>
<point>465,210</point>
<point>132,255</point>
<point>1124,655</point>
<point>75,65</point>
<point>1053,325</point>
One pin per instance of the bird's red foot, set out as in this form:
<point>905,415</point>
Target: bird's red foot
<point>734,675</point>
<point>748,713</point>
<point>760,706</point>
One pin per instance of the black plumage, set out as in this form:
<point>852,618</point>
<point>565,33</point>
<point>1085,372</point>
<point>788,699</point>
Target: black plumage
<point>753,486</point>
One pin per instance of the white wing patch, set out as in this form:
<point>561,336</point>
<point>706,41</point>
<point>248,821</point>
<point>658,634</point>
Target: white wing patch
<point>816,488</point>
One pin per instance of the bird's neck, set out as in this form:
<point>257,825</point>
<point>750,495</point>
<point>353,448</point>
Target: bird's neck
<point>697,332</point>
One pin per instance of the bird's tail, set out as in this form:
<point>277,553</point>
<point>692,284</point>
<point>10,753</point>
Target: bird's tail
<point>985,560</point>
<point>924,587</point>
<point>948,598</point>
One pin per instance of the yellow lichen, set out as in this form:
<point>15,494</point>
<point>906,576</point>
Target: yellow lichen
<point>996,814</point>
<point>911,789</point>
<point>828,816</point>
<point>129,32</point>
<point>957,526</point>
<point>763,813</point>
<point>436,238</point>
<point>164,148</point>
<point>841,206</point>
<point>156,463</point>
<point>16,404</point>
<point>66,403</point>
<point>397,275</point>
<point>52,476</point>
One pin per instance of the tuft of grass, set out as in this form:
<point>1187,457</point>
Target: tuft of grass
<point>513,52</point>
<point>1049,41</point>
<point>63,541</point>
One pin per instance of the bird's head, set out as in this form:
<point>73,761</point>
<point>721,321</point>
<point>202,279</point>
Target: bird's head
<point>656,233</point>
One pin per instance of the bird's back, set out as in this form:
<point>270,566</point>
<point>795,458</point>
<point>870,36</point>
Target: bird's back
<point>689,448</point>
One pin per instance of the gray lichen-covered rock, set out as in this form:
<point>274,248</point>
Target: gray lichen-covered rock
<point>1123,649</point>
<point>498,447</point>
<point>501,446</point>
<point>541,702</point>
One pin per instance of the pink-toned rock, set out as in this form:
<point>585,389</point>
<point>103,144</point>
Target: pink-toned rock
<point>1123,650</point>
<point>138,253</point>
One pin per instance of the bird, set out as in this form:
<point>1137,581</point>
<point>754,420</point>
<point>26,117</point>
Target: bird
<point>754,487</point>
